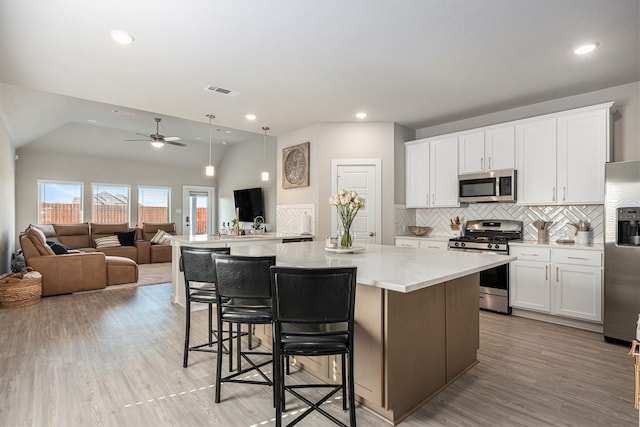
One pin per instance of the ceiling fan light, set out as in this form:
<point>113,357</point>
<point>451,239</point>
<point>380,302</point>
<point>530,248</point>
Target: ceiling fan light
<point>157,144</point>
<point>209,170</point>
<point>265,176</point>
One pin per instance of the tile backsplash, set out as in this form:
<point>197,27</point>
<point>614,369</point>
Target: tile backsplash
<point>438,218</point>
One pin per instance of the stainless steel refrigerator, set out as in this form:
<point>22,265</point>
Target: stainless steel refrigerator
<point>621,250</point>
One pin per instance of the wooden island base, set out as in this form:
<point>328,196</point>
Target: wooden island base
<point>408,346</point>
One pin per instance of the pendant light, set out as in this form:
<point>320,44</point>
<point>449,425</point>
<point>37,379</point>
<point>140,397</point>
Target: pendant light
<point>265,173</point>
<point>209,169</point>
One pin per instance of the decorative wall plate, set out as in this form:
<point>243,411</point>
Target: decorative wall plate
<point>295,166</point>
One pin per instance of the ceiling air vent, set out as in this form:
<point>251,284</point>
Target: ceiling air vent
<point>221,90</point>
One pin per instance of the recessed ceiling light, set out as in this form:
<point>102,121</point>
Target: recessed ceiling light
<point>251,116</point>
<point>92,121</point>
<point>585,48</point>
<point>361,115</point>
<point>122,37</point>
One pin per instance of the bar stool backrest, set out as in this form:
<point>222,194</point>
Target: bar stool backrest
<point>246,277</point>
<point>313,295</point>
<point>197,264</point>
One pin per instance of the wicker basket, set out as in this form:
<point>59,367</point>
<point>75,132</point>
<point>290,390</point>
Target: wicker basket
<point>20,289</point>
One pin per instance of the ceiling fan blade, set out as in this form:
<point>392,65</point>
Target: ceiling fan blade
<point>179,144</point>
<point>171,138</point>
<point>145,140</point>
<point>142,134</point>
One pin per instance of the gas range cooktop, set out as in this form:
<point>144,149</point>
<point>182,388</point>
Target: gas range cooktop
<point>488,235</point>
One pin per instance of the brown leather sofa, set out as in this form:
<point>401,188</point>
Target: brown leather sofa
<point>82,237</point>
<point>105,230</point>
<point>61,274</point>
<point>77,270</point>
<point>158,253</point>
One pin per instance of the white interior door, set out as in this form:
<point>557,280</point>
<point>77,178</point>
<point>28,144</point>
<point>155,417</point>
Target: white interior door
<point>197,208</point>
<point>363,177</point>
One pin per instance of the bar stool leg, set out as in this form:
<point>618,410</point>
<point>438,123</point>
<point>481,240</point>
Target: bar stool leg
<point>187,330</point>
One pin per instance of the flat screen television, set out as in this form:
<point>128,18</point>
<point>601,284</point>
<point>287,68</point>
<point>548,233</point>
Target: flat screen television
<point>250,203</point>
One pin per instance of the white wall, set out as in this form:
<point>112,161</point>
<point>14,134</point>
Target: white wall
<point>36,164</point>
<point>330,141</point>
<point>7,195</point>
<point>240,168</point>
<point>626,122</point>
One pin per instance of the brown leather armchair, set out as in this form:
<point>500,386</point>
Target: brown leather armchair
<point>159,253</point>
<point>62,274</point>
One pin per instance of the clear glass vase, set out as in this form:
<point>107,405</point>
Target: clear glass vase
<point>345,238</point>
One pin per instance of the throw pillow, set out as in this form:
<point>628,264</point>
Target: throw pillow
<point>107,242</point>
<point>58,248</point>
<point>126,238</point>
<point>159,237</point>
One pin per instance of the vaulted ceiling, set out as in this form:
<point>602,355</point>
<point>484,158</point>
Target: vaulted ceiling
<point>293,63</point>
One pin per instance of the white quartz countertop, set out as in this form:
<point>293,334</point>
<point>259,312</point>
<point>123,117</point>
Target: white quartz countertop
<point>203,238</point>
<point>383,266</point>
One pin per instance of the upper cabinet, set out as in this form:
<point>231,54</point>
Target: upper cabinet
<point>487,150</point>
<point>561,158</point>
<point>431,173</point>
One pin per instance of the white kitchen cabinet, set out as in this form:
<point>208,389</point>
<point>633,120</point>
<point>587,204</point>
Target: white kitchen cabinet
<point>583,150</point>
<point>536,146</point>
<point>443,176</point>
<point>487,150</point>
<point>529,279</point>
<point>425,243</point>
<point>417,174</point>
<point>561,282</point>
<point>407,243</point>
<point>577,284</point>
<point>561,158</point>
<point>431,173</point>
<point>434,245</point>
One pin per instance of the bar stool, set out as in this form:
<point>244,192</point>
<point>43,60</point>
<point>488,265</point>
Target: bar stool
<point>197,266</point>
<point>243,285</point>
<point>313,315</point>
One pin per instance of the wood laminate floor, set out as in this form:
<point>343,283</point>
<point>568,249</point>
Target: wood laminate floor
<point>114,358</point>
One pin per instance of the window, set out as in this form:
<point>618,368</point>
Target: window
<point>154,204</point>
<point>110,203</point>
<point>59,202</point>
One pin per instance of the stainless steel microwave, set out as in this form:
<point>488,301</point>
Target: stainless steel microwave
<point>494,186</point>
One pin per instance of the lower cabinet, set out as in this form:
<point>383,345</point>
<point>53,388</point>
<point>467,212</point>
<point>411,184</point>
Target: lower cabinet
<point>563,282</point>
<point>432,244</point>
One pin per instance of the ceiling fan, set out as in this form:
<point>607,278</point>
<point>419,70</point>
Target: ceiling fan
<point>158,140</point>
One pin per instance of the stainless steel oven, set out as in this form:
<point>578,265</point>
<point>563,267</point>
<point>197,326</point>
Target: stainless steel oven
<point>491,236</point>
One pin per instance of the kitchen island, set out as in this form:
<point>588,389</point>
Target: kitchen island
<point>417,319</point>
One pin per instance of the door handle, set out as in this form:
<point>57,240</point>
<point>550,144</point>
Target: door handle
<point>371,234</point>
<point>546,272</point>
<point>187,221</point>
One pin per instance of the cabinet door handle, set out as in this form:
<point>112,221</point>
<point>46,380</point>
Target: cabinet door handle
<point>553,198</point>
<point>577,257</point>
<point>489,162</point>
<point>557,274</point>
<point>564,193</point>
<point>433,199</point>
<point>530,254</point>
<point>481,163</point>
<point>546,272</point>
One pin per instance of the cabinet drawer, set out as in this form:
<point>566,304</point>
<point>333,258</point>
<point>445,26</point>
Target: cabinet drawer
<point>577,257</point>
<point>528,253</point>
<point>408,243</point>
<point>435,245</point>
